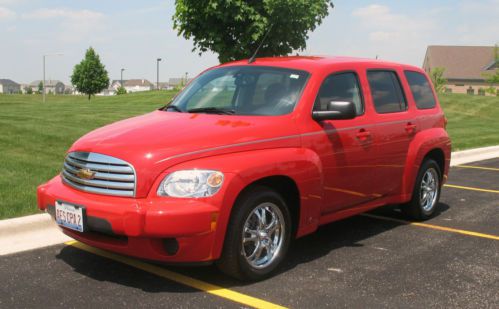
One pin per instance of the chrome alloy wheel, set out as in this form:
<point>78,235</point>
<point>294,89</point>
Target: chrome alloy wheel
<point>428,192</point>
<point>263,235</point>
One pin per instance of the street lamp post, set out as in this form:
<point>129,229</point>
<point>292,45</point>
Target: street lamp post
<point>121,81</point>
<point>43,88</point>
<point>157,73</point>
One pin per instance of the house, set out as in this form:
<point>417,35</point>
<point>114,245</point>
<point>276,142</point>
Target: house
<point>136,85</point>
<point>164,86</point>
<point>24,88</point>
<point>51,86</point>
<point>69,89</point>
<point>178,82</point>
<point>465,67</point>
<point>9,86</point>
<point>112,89</point>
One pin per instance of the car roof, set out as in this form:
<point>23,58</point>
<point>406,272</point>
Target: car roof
<point>315,63</point>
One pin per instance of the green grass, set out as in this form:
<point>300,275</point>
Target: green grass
<point>473,120</point>
<point>35,136</point>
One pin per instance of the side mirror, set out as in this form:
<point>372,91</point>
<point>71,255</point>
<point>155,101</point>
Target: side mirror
<point>336,110</point>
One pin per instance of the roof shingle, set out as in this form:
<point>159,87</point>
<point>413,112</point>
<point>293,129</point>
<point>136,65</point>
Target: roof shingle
<point>460,62</point>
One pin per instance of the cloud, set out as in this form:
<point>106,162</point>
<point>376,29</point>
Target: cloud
<point>386,25</point>
<point>392,35</point>
<point>63,13</point>
<point>6,14</point>
<point>75,25</point>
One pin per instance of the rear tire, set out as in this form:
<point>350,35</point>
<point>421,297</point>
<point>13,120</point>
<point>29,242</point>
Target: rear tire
<point>258,235</point>
<point>426,192</point>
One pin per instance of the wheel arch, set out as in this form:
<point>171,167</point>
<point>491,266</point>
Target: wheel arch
<point>287,188</point>
<point>431,143</point>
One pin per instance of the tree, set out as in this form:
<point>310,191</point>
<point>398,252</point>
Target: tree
<point>438,80</point>
<point>40,87</point>
<point>493,79</point>
<point>234,29</point>
<point>121,90</point>
<point>28,90</point>
<point>90,75</point>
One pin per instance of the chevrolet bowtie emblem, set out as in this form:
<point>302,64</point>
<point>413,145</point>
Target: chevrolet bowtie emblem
<point>85,173</point>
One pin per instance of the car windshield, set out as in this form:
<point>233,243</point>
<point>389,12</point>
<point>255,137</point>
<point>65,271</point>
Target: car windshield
<point>242,90</point>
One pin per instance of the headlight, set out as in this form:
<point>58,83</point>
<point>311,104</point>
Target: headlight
<point>191,183</point>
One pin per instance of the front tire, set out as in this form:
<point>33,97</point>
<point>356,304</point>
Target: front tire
<point>258,235</point>
<point>426,193</point>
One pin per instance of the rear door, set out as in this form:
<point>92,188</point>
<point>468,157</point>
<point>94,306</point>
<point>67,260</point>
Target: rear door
<point>394,129</point>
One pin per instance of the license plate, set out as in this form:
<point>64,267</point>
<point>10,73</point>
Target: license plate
<point>70,216</point>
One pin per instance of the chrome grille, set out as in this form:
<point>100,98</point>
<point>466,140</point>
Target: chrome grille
<point>110,176</point>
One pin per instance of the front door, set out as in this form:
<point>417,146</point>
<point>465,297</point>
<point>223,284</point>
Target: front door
<point>345,147</point>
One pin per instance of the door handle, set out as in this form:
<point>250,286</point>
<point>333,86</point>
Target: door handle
<point>410,128</point>
<point>363,135</point>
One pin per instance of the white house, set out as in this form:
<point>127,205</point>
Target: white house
<point>51,86</point>
<point>136,85</point>
<point>9,86</point>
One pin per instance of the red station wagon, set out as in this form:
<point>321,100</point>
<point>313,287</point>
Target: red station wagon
<point>251,155</point>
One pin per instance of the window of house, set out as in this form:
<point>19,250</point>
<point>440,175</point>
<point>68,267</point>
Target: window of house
<point>386,91</point>
<point>340,87</point>
<point>470,91</point>
<point>481,91</point>
<point>420,89</point>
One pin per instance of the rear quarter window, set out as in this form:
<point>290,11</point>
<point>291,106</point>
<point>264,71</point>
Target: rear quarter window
<point>420,89</point>
<point>386,91</point>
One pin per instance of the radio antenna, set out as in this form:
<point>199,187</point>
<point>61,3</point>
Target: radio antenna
<point>253,58</point>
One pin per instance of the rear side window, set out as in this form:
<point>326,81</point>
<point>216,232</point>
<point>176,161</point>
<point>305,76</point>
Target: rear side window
<point>340,87</point>
<point>421,90</point>
<point>386,92</point>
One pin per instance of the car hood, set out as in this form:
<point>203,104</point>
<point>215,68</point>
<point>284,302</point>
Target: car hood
<point>155,141</point>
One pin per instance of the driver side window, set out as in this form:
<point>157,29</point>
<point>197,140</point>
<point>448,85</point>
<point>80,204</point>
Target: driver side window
<point>340,87</point>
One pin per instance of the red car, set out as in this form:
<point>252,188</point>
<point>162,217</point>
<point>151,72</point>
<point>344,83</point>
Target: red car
<point>251,155</point>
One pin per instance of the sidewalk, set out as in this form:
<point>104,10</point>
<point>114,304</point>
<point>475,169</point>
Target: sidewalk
<point>37,231</point>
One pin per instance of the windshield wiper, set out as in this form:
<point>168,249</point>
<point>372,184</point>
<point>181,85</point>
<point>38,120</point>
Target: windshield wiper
<point>175,108</point>
<point>212,110</point>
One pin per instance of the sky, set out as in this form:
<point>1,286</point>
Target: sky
<point>132,34</point>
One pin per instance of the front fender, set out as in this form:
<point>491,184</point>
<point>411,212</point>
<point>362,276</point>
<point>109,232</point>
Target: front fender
<point>303,166</point>
<point>420,146</point>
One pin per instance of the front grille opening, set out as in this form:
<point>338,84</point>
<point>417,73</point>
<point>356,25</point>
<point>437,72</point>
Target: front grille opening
<point>98,173</point>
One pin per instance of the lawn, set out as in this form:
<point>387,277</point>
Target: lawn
<point>34,136</point>
<point>473,120</point>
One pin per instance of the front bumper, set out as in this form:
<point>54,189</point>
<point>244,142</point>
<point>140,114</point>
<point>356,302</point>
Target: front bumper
<point>145,228</point>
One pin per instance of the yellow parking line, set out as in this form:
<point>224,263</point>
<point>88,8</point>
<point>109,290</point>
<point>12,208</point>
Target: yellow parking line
<point>435,227</point>
<point>479,167</point>
<point>179,278</point>
<point>471,188</point>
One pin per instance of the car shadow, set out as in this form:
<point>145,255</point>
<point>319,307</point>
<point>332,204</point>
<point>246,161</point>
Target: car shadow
<point>345,233</point>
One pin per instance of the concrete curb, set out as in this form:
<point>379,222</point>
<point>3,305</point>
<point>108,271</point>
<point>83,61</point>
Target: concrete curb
<point>30,232</point>
<point>37,231</point>
<point>473,155</point>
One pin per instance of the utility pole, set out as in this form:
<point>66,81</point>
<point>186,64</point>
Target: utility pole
<point>43,90</point>
<point>157,73</point>
<point>121,81</point>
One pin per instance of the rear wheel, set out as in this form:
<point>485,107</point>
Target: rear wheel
<point>258,235</point>
<point>426,192</point>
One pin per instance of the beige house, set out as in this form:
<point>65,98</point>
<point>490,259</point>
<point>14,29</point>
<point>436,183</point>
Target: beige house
<point>465,67</point>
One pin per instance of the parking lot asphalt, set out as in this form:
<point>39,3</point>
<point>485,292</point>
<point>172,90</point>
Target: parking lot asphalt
<point>376,260</point>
